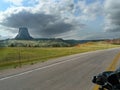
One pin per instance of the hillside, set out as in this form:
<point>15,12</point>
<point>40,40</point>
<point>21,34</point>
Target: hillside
<point>42,42</point>
<point>34,43</point>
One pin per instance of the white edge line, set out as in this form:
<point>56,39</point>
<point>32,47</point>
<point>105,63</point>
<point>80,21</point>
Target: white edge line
<point>54,64</point>
<point>30,71</point>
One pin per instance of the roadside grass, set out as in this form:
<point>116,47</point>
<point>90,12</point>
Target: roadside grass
<point>13,57</point>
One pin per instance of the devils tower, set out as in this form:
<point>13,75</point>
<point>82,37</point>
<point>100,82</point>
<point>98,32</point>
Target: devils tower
<point>23,34</point>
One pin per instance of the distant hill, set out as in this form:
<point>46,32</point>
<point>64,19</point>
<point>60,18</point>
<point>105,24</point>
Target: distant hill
<point>24,39</point>
<point>42,42</point>
<point>113,41</point>
<point>34,43</point>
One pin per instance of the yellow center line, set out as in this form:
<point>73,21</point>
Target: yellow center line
<point>112,67</point>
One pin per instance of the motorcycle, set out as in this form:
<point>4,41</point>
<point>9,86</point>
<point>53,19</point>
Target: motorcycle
<point>108,80</point>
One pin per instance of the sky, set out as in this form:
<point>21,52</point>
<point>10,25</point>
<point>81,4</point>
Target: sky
<point>67,19</point>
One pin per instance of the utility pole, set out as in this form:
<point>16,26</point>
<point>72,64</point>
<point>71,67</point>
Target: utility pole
<point>19,58</point>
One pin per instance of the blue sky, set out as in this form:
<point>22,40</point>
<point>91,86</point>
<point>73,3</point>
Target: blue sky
<point>67,19</point>
<point>3,5</point>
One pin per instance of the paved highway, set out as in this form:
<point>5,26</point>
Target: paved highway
<point>67,73</point>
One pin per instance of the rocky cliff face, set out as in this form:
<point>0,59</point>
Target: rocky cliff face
<point>23,34</point>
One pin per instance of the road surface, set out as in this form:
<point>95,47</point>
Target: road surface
<point>67,73</point>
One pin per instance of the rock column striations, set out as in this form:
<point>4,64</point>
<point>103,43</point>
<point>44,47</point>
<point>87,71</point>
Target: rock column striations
<point>23,34</point>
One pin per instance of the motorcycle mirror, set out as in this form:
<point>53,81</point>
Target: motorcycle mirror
<point>94,79</point>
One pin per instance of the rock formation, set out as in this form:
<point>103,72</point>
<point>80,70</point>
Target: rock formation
<point>23,34</point>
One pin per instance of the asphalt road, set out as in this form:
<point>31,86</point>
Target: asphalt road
<point>67,73</point>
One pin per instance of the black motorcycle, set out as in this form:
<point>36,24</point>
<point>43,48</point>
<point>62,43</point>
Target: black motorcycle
<point>108,80</point>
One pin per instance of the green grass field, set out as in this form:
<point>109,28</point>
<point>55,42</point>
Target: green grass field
<point>18,56</point>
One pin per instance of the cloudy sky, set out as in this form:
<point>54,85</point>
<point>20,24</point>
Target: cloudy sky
<point>67,19</point>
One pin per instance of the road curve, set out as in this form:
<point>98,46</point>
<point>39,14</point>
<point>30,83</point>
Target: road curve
<point>67,73</point>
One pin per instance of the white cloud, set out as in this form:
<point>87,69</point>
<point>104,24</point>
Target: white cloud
<point>89,11</point>
<point>101,35</point>
<point>112,18</point>
<point>50,17</point>
<point>15,2</point>
<point>4,34</point>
